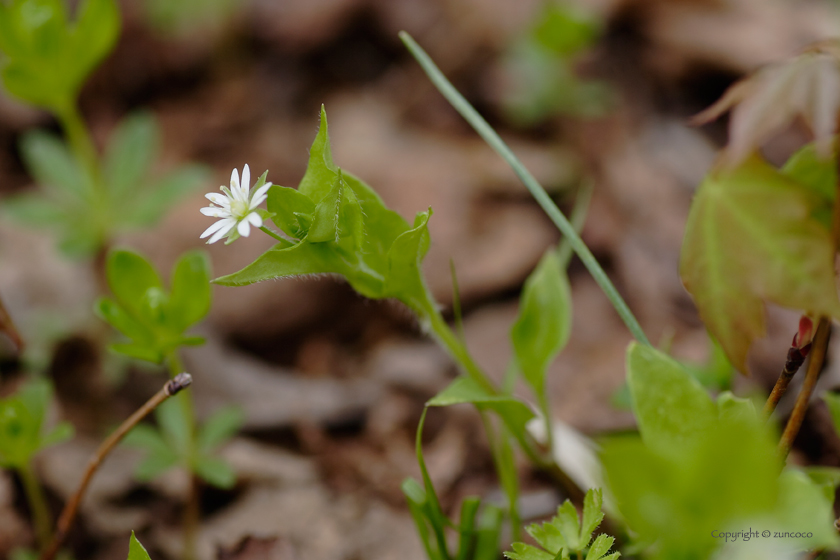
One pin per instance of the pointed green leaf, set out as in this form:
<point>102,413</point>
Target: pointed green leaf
<point>220,427</point>
<point>751,236</point>
<point>155,464</point>
<point>321,172</point>
<point>600,547</point>
<point>146,437</point>
<point>53,166</point>
<point>671,406</point>
<point>96,31</point>
<point>544,322</point>
<point>568,523</point>
<point>131,153</point>
<point>136,550</point>
<point>282,261</point>
<point>216,472</point>
<point>514,412</point>
<point>819,174</point>
<point>189,299</point>
<point>174,423</point>
<point>522,551</point>
<point>150,203</point>
<point>405,279</point>
<point>592,514</point>
<point>548,535</point>
<point>287,205</point>
<point>33,210</point>
<point>734,409</point>
<point>61,433</point>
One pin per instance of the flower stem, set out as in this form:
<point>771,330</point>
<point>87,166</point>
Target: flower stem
<point>192,509</point>
<point>459,351</point>
<point>272,234</point>
<point>37,505</point>
<point>68,515</point>
<point>492,138</point>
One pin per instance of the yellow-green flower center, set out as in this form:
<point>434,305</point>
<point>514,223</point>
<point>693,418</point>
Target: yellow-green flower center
<point>239,209</point>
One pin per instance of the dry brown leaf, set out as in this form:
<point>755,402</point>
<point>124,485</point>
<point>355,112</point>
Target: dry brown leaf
<point>807,86</point>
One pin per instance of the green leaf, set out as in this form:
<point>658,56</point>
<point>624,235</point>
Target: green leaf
<point>405,279</point>
<point>61,433</point>
<point>544,322</point>
<point>568,523</point>
<point>130,276</point>
<point>189,300</point>
<point>337,216</point>
<point>216,472</point>
<point>220,427</point>
<point>592,514</point>
<point>810,170</point>
<point>136,550</point>
<point>565,29</point>
<point>735,409</point>
<point>522,551</point>
<point>601,547</point>
<point>321,172</point>
<point>96,31</point>
<point>131,153</point>
<point>112,313</point>
<point>514,412</point>
<point>827,478</point>
<point>174,423</point>
<point>33,210</point>
<point>671,406</point>
<point>146,437</point>
<point>282,261</point>
<point>751,236</point>
<point>728,473</point>
<point>150,203</point>
<point>53,166</point>
<point>138,351</point>
<point>153,465</point>
<point>288,206</point>
<point>804,507</point>
<point>489,530</point>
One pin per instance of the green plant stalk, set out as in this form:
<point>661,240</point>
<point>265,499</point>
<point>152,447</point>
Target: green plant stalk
<point>37,504</point>
<point>272,234</point>
<point>543,199</point>
<point>459,351</point>
<point>502,454</point>
<point>192,512</point>
<point>80,141</point>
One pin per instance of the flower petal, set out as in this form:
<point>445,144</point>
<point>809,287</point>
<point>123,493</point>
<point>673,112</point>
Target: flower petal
<point>234,180</point>
<point>255,219</point>
<point>228,225</point>
<point>259,196</point>
<point>215,212</point>
<point>244,228</point>
<point>215,227</point>
<point>245,186</point>
<point>219,199</point>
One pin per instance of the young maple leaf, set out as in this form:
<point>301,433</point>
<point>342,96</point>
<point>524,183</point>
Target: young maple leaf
<point>807,86</point>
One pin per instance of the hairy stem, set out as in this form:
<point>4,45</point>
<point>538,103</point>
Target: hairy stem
<point>273,234</point>
<point>68,515</point>
<point>494,140</point>
<point>37,505</point>
<point>793,362</point>
<point>818,350</point>
<point>192,510</point>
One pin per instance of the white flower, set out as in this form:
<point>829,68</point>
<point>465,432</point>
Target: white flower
<point>236,208</point>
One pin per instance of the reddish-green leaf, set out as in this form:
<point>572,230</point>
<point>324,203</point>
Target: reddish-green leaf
<point>751,237</point>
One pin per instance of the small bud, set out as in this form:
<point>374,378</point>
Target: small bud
<point>180,381</point>
<point>805,334</point>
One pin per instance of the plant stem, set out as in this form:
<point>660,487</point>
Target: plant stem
<point>459,351</point>
<point>68,515</point>
<point>818,350</point>
<point>80,141</point>
<point>793,362</point>
<point>546,412</point>
<point>272,234</point>
<point>192,509</point>
<point>37,505</point>
<point>494,140</point>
